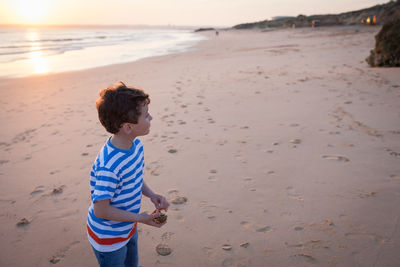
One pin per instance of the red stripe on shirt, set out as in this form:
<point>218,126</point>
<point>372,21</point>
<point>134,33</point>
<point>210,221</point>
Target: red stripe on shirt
<point>109,241</point>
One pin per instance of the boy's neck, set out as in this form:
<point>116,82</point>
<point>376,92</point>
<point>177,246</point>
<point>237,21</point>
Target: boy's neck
<point>121,142</point>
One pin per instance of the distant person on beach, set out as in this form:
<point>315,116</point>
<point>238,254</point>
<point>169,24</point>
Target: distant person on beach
<point>116,178</point>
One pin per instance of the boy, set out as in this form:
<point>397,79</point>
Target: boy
<point>116,178</point>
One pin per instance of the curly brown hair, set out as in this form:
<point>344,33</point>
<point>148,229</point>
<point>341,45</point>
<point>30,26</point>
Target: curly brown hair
<point>120,104</point>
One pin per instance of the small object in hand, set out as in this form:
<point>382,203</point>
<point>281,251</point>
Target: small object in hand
<point>160,219</point>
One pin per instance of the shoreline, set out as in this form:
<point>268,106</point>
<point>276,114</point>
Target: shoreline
<point>58,51</point>
<point>286,147</point>
<point>208,35</point>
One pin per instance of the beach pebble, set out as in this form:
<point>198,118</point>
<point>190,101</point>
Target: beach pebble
<point>336,158</point>
<point>295,141</point>
<point>172,151</point>
<point>244,244</point>
<point>163,249</point>
<point>23,222</point>
<point>226,247</point>
<point>179,200</point>
<point>58,190</point>
<point>54,260</point>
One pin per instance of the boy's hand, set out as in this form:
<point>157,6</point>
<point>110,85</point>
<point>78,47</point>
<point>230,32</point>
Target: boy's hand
<point>149,219</point>
<point>160,202</point>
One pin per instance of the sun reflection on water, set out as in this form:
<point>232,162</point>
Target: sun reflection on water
<point>36,58</point>
<point>39,63</point>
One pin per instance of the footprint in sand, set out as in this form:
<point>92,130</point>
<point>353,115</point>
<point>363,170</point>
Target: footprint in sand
<point>307,257</point>
<point>264,229</point>
<point>367,195</point>
<point>206,207</point>
<point>163,249</point>
<point>211,121</point>
<point>62,252</point>
<point>295,141</point>
<point>208,251</point>
<point>25,136</point>
<point>212,178</point>
<point>259,229</point>
<point>154,168</point>
<point>365,236</point>
<point>37,190</point>
<point>326,226</point>
<point>309,245</point>
<point>173,191</point>
<point>335,158</point>
<point>236,261</point>
<point>298,228</point>
<point>393,153</point>
<point>179,200</point>
<point>291,192</point>
<point>166,236</point>
<point>269,172</point>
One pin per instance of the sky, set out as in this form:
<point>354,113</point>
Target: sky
<point>166,12</point>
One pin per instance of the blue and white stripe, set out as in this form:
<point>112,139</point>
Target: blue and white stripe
<point>116,175</point>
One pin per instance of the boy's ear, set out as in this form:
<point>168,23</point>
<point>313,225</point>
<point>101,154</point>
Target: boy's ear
<point>127,128</point>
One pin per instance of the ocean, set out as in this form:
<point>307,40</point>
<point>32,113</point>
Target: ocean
<point>38,51</point>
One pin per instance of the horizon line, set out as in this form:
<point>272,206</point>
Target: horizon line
<point>15,25</point>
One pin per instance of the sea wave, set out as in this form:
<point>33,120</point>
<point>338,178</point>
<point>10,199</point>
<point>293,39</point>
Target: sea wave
<point>73,49</point>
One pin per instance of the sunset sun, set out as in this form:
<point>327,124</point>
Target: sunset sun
<point>31,11</point>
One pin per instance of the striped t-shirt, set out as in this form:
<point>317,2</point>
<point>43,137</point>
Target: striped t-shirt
<point>116,175</point>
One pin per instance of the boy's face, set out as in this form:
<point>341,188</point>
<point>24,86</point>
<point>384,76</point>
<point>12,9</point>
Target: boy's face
<point>143,125</point>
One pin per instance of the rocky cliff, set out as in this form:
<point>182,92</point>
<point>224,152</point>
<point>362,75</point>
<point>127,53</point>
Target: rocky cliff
<point>378,14</point>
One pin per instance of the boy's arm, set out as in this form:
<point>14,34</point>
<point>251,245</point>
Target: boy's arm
<point>159,201</point>
<point>103,209</point>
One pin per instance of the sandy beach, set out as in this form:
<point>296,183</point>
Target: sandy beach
<point>285,144</point>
